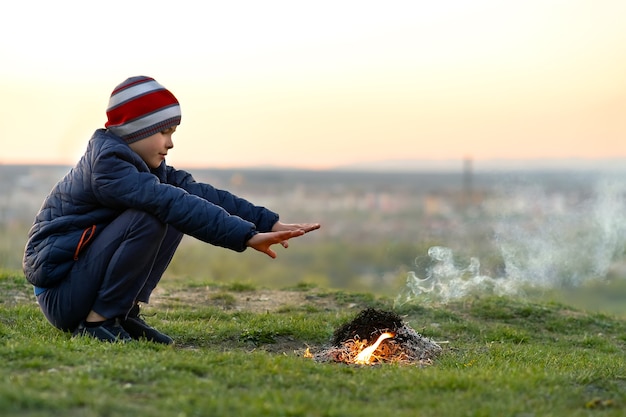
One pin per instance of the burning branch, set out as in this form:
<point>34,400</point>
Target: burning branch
<point>364,357</point>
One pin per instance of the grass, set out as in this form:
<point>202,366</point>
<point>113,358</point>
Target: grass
<point>503,357</point>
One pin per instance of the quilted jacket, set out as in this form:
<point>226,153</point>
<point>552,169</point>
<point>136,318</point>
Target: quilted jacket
<point>111,178</point>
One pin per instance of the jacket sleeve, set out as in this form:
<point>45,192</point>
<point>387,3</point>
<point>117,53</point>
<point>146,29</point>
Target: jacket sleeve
<point>263,218</point>
<point>120,180</point>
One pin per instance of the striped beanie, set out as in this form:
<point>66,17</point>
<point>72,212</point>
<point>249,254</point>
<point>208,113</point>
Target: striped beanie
<point>140,107</point>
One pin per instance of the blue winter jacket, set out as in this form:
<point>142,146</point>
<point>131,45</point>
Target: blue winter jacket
<point>110,178</point>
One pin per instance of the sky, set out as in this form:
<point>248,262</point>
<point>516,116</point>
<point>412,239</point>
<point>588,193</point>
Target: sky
<point>323,84</point>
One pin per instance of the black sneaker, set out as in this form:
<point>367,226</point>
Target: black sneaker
<point>109,331</point>
<point>137,328</point>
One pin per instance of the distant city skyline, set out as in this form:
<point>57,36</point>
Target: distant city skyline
<point>346,83</point>
<point>605,165</point>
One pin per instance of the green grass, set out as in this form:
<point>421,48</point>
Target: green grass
<point>501,357</point>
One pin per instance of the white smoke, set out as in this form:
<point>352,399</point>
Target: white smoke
<point>544,240</point>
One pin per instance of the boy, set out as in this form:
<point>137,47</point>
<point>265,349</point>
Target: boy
<point>108,230</point>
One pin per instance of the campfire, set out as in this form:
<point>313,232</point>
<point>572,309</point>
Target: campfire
<point>377,336</point>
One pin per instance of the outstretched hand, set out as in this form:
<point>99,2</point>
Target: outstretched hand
<point>281,233</point>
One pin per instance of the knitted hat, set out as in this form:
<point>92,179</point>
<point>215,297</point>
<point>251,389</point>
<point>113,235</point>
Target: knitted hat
<point>140,107</point>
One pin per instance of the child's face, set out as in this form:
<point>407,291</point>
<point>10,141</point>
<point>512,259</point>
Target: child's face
<point>153,149</point>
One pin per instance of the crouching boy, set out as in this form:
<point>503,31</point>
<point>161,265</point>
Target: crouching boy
<point>107,231</point>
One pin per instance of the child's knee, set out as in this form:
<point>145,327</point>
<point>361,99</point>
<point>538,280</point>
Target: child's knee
<point>145,223</point>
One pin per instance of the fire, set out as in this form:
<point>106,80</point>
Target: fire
<point>307,353</point>
<point>407,346</point>
<point>365,356</point>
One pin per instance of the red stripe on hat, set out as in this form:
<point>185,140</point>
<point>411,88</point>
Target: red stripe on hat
<point>140,106</point>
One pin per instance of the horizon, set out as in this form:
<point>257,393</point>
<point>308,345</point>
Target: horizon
<point>600,165</point>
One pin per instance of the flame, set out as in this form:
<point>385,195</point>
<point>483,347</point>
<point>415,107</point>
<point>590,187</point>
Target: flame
<point>307,353</point>
<point>365,356</point>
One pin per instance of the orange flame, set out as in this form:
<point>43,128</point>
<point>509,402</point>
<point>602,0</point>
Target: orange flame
<point>307,353</point>
<point>365,356</point>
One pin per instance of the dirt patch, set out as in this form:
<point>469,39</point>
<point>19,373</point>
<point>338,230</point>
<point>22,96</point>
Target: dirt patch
<point>257,301</point>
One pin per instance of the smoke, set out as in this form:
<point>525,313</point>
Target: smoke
<point>442,277</point>
<point>546,240</point>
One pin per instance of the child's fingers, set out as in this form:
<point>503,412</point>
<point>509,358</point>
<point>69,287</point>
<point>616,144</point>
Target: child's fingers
<point>292,233</point>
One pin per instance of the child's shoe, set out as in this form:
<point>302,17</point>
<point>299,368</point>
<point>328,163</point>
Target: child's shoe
<point>107,331</point>
<point>138,329</point>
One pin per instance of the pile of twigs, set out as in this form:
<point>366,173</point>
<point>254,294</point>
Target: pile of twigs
<point>406,347</point>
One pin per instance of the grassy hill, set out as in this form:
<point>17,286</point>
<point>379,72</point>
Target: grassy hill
<point>239,351</point>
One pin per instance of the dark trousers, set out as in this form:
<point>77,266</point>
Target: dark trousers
<point>122,266</point>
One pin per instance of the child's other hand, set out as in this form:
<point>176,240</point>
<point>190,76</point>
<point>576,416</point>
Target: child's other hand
<point>306,227</point>
<point>281,233</point>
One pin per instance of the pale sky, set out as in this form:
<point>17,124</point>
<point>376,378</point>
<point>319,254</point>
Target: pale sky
<point>324,83</point>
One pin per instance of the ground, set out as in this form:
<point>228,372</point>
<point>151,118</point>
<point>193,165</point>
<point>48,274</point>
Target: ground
<point>257,301</point>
